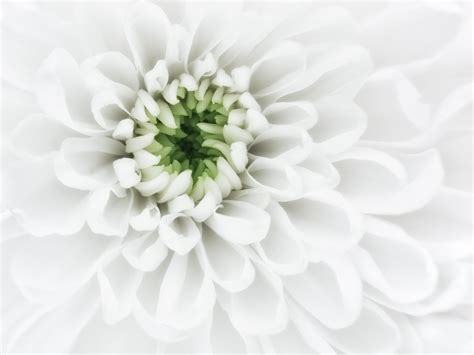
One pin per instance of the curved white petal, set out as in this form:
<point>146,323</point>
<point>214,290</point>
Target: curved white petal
<point>289,144</point>
<point>118,283</point>
<point>379,183</point>
<point>395,264</point>
<point>448,235</point>
<point>325,220</point>
<point>294,113</point>
<point>147,23</point>
<point>373,332</point>
<point>280,180</point>
<point>87,163</point>
<point>227,263</point>
<point>62,94</point>
<point>341,123</point>
<point>145,253</point>
<point>281,250</point>
<point>406,46</point>
<point>110,210</point>
<point>239,222</point>
<point>25,138</point>
<point>107,70</point>
<point>331,291</point>
<point>179,232</point>
<point>283,62</point>
<point>67,263</point>
<point>261,308</point>
<point>47,206</point>
<point>187,294</point>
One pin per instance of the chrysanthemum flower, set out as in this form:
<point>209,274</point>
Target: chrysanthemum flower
<point>236,178</point>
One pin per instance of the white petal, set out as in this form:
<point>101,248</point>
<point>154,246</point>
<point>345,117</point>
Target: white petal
<point>227,263</point>
<point>283,63</point>
<point>67,263</point>
<point>118,283</point>
<point>325,220</point>
<point>388,191</point>
<point>25,137</point>
<point>157,184</point>
<point>255,122</point>
<point>255,196</point>
<point>179,185</point>
<point>47,206</point>
<point>290,144</point>
<point>281,250</point>
<point>407,46</point>
<point>239,222</point>
<point>260,308</point>
<point>445,334</point>
<point>87,163</point>
<point>187,295</point>
<point>179,232</point>
<point>145,159</point>
<point>395,264</point>
<point>331,291</point>
<point>137,143</point>
<point>448,235</point>
<point>157,78</point>
<point>238,153</point>
<point>109,211</point>
<point>340,124</point>
<point>50,330</point>
<point>280,180</point>
<point>148,217</point>
<point>126,171</point>
<point>180,203</point>
<point>145,25</point>
<point>62,94</point>
<point>124,129</point>
<point>106,70</point>
<point>145,253</point>
<point>149,103</point>
<point>404,113</point>
<point>373,332</point>
<point>297,113</point>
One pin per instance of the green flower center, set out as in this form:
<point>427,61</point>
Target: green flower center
<point>197,141</point>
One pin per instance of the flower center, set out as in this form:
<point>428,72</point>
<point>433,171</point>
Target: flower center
<point>188,138</point>
<point>198,140</point>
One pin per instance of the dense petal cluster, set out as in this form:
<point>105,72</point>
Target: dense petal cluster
<point>240,178</point>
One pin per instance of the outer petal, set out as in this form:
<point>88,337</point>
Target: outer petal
<point>25,137</point>
<point>331,291</point>
<point>281,249</point>
<point>448,235</point>
<point>109,211</point>
<point>239,222</point>
<point>118,283</point>
<point>407,44</point>
<point>148,23</point>
<point>340,125</point>
<point>87,163</point>
<point>289,144</point>
<point>66,264</point>
<point>325,221</point>
<point>187,294</point>
<point>227,263</point>
<point>47,206</point>
<point>261,308</point>
<point>373,332</point>
<point>394,263</point>
<point>379,184</point>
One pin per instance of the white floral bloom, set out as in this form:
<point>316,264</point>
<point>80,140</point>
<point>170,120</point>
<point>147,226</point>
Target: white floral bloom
<point>236,178</point>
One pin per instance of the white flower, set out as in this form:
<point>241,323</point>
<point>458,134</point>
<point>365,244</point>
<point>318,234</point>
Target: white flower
<point>236,178</point>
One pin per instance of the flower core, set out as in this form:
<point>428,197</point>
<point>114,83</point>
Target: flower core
<point>188,137</point>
